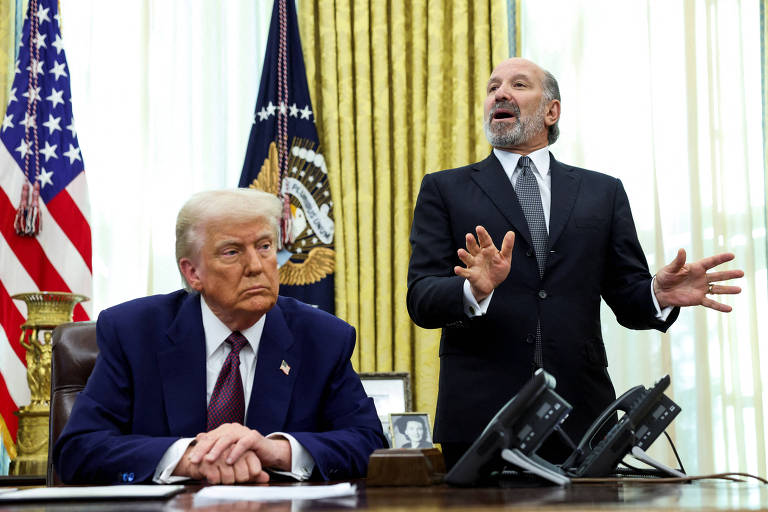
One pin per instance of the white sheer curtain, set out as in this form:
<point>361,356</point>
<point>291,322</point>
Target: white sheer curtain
<point>163,96</point>
<point>666,96</point>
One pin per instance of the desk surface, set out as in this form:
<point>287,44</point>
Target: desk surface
<point>707,495</point>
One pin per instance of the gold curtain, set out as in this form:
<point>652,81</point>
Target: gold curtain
<point>397,89</point>
<point>7,54</point>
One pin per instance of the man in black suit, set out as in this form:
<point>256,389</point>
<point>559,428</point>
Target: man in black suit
<point>566,239</point>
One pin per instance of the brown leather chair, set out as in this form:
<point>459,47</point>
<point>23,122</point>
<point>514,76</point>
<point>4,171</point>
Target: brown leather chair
<point>74,352</point>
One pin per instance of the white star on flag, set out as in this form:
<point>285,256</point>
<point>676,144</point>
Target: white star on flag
<point>58,70</point>
<point>52,123</point>
<point>12,95</point>
<point>262,114</point>
<point>58,43</point>
<point>306,112</point>
<point>40,41</point>
<point>271,109</point>
<point>42,14</point>
<point>49,151</point>
<point>71,127</point>
<point>72,153</point>
<point>24,148</point>
<point>38,68</point>
<point>35,93</point>
<point>294,110</point>
<point>55,97</point>
<point>45,178</point>
<point>282,108</point>
<point>8,121</point>
<point>29,121</point>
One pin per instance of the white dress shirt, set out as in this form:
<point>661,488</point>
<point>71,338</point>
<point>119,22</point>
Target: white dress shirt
<point>216,350</point>
<point>541,171</point>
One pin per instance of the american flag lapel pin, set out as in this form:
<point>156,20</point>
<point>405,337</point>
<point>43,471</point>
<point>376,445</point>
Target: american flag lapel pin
<point>285,368</point>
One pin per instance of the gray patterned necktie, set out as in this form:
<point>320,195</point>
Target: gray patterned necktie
<point>528,194</point>
<point>527,190</point>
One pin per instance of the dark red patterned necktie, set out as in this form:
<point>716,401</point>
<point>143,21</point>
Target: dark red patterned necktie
<point>227,403</point>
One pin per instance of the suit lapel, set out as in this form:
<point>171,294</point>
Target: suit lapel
<point>272,388</point>
<point>182,370</point>
<point>565,186</point>
<point>491,178</point>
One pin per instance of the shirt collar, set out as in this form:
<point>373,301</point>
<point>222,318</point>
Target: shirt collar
<point>216,332</point>
<point>509,160</point>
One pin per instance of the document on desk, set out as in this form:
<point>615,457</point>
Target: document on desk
<point>273,493</point>
<point>102,492</point>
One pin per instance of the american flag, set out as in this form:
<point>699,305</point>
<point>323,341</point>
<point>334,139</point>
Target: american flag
<point>39,144</point>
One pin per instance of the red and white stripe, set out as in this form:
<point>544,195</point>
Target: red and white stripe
<point>58,259</point>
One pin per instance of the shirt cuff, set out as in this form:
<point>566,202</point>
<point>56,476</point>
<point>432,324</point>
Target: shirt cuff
<point>472,307</point>
<point>171,458</point>
<point>661,314</point>
<point>302,463</point>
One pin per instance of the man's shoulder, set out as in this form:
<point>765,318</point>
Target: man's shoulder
<point>296,312</point>
<point>556,165</point>
<point>157,306</point>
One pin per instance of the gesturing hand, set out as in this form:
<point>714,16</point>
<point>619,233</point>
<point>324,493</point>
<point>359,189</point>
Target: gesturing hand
<point>687,284</point>
<point>487,266</point>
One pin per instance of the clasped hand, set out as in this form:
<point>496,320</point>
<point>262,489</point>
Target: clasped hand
<point>233,453</point>
<point>487,266</point>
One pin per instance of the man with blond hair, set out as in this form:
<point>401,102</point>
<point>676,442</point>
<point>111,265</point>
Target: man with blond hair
<point>226,379</point>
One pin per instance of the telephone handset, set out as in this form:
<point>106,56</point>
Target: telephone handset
<point>622,403</point>
<point>648,412</point>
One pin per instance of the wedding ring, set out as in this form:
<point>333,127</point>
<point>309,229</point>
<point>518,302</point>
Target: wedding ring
<point>709,288</point>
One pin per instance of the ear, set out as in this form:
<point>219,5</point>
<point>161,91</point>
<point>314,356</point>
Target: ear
<point>553,113</point>
<point>189,270</point>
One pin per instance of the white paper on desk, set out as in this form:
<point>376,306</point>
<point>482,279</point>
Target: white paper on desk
<point>272,493</point>
<point>102,492</point>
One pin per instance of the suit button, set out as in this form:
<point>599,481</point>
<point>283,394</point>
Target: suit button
<point>542,294</point>
<point>529,253</point>
<point>530,338</point>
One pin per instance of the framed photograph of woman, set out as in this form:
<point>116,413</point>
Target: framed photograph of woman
<point>410,430</point>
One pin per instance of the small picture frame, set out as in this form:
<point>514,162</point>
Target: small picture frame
<point>391,393</point>
<point>410,430</point>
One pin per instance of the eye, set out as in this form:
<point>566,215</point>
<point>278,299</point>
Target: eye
<point>265,246</point>
<point>519,84</point>
<point>492,88</point>
<point>229,252</point>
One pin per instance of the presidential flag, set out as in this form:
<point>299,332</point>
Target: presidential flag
<point>284,158</point>
<point>45,238</point>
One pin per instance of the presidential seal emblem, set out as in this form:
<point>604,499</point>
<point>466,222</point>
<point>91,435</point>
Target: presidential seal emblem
<point>307,254</point>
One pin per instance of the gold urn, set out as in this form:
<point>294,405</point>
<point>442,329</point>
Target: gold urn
<point>45,310</point>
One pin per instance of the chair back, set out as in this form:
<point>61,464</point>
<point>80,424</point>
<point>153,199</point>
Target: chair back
<point>73,355</point>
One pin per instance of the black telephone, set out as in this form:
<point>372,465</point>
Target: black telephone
<point>648,412</point>
<point>519,428</point>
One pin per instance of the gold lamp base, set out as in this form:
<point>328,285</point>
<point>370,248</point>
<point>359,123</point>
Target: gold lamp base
<point>45,310</point>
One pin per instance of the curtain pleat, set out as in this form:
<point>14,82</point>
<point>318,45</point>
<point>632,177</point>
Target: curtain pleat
<point>397,89</point>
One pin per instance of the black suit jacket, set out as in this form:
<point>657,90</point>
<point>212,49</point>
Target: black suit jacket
<point>594,253</point>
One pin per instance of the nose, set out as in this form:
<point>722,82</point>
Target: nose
<point>253,263</point>
<point>502,93</point>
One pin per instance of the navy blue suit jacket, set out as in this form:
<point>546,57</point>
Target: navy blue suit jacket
<point>148,389</point>
<point>594,253</point>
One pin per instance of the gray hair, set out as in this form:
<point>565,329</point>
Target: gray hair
<point>216,205</point>
<point>551,92</point>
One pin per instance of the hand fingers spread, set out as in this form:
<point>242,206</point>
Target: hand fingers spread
<point>465,257</point>
<point>724,275</point>
<point>717,306</point>
<point>483,238</point>
<point>462,272</point>
<point>506,245</point>
<point>720,289</point>
<point>472,247</point>
<point>717,259</point>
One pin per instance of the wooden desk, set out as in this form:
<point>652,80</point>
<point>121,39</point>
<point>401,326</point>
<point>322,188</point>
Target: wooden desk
<point>709,495</point>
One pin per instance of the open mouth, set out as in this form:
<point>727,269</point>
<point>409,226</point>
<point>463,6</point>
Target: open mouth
<point>501,114</point>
